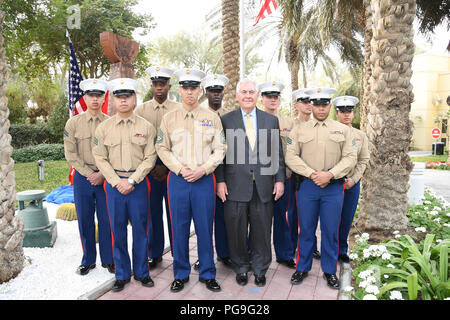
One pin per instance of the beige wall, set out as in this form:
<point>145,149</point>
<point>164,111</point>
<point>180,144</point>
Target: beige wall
<point>431,78</point>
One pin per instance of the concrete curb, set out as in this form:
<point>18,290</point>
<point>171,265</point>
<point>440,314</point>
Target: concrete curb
<point>345,280</point>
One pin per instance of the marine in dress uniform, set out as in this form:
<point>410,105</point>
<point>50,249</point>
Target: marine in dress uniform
<point>304,108</point>
<point>282,242</point>
<point>125,153</point>
<point>344,107</point>
<point>214,85</point>
<point>323,151</point>
<point>153,111</point>
<point>89,196</point>
<point>302,104</point>
<point>191,144</point>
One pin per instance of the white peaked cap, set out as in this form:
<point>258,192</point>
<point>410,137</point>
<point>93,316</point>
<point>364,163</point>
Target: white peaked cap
<point>159,72</point>
<point>345,101</point>
<point>122,84</point>
<point>320,93</point>
<point>271,86</point>
<point>93,85</point>
<point>190,76</point>
<point>215,80</point>
<point>300,94</point>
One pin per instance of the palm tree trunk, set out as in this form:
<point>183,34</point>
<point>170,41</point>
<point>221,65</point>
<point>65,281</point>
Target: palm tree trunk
<point>11,226</point>
<point>294,69</point>
<point>230,40</point>
<point>385,193</point>
<point>365,85</point>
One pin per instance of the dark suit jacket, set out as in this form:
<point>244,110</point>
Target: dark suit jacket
<point>266,162</point>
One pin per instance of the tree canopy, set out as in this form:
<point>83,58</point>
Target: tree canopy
<point>35,31</point>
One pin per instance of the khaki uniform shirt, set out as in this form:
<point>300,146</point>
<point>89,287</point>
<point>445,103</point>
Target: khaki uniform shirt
<point>362,143</point>
<point>321,146</point>
<point>153,112</point>
<point>79,141</point>
<point>191,139</point>
<point>286,125</point>
<point>125,147</point>
<point>219,112</point>
<point>299,120</point>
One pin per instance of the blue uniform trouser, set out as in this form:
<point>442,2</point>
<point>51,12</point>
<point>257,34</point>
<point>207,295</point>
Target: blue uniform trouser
<point>282,241</point>
<point>351,197</point>
<point>220,233</point>
<point>156,233</point>
<point>195,201</point>
<point>88,200</point>
<point>314,202</point>
<point>133,207</point>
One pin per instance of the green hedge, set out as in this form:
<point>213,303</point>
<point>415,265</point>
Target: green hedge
<point>45,152</point>
<point>23,135</point>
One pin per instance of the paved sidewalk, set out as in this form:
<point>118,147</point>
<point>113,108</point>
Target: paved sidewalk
<point>278,286</point>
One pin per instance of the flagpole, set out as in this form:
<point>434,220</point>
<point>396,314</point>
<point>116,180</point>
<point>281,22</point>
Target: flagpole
<point>242,39</point>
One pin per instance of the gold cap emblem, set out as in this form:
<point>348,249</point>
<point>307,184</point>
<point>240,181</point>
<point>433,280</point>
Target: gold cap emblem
<point>95,81</point>
<point>274,83</point>
<point>319,90</point>
<point>215,77</point>
<point>122,81</point>
<point>345,98</point>
<point>188,71</point>
<point>158,68</point>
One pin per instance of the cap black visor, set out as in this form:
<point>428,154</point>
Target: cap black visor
<point>320,102</point>
<point>96,92</point>
<point>160,79</point>
<point>271,94</point>
<point>124,92</point>
<point>304,100</point>
<point>190,84</point>
<point>345,108</point>
<point>214,88</point>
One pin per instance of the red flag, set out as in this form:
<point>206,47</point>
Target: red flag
<point>265,8</point>
<point>105,103</point>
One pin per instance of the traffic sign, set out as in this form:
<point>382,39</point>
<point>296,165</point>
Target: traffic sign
<point>435,133</point>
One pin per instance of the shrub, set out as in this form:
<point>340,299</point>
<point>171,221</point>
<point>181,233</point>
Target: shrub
<point>23,135</point>
<point>405,267</point>
<point>45,152</point>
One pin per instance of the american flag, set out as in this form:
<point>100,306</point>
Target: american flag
<point>266,6</point>
<point>76,101</point>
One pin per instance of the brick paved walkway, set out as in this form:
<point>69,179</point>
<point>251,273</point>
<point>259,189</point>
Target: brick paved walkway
<point>278,285</point>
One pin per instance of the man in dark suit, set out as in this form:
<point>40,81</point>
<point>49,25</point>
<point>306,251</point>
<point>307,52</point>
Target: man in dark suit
<point>250,179</point>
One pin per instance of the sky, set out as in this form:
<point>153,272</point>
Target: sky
<point>172,16</point>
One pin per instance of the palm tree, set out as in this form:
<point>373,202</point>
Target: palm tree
<point>11,227</point>
<point>385,191</point>
<point>231,46</point>
<point>386,96</point>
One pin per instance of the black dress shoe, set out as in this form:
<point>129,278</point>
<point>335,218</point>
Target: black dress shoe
<point>146,282</point>
<point>211,284</point>
<point>196,265</point>
<point>242,278</point>
<point>288,263</point>
<point>178,284</point>
<point>110,267</point>
<point>332,280</point>
<point>153,262</point>
<point>119,285</point>
<point>344,258</point>
<point>226,261</point>
<point>260,281</point>
<point>298,277</point>
<point>84,270</point>
<point>316,254</point>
